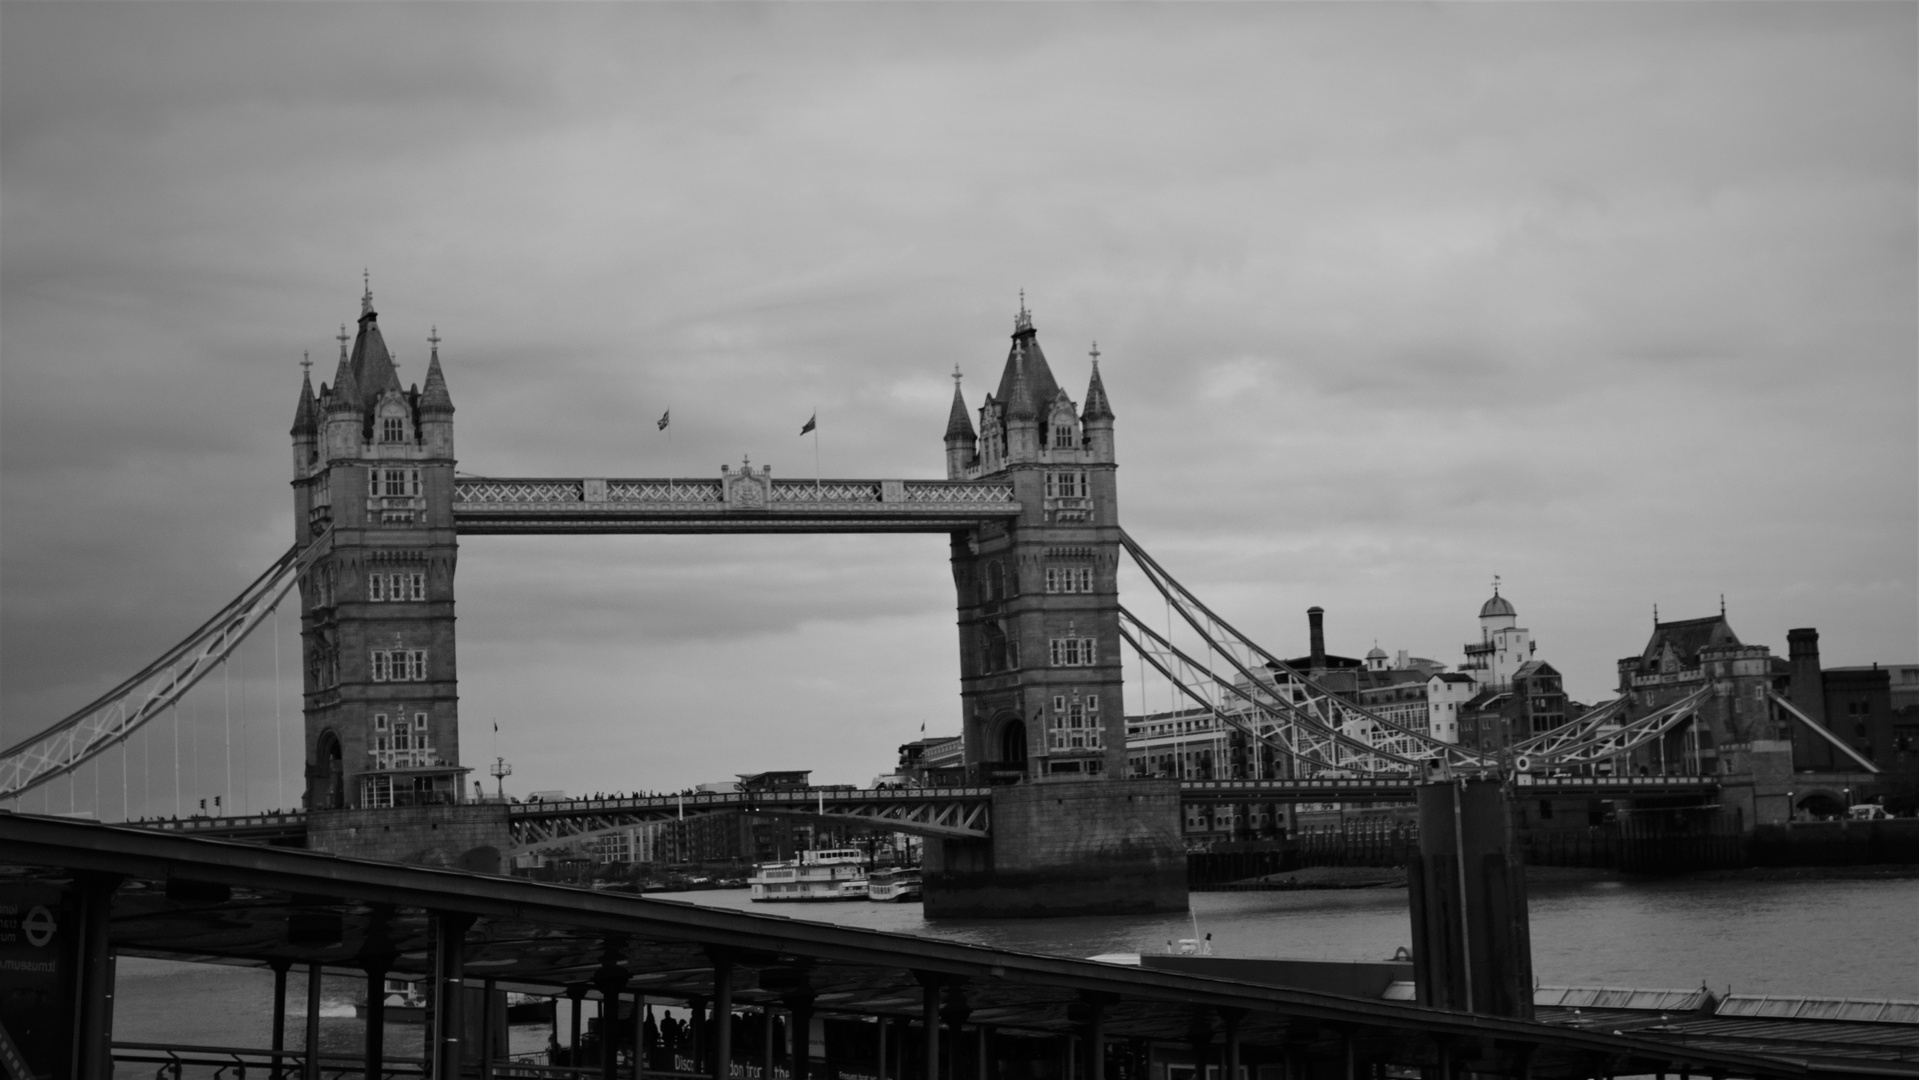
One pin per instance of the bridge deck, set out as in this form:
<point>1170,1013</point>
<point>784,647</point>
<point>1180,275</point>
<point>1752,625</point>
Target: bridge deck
<point>733,503</point>
<point>961,812</point>
<point>532,937</point>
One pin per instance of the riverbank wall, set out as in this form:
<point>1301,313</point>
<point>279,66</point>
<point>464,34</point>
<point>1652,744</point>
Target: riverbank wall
<point>1628,848</point>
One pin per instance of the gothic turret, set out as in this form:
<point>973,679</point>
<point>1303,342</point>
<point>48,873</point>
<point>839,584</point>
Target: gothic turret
<point>436,406</point>
<point>306,428</point>
<point>962,446</point>
<point>343,409</point>
<point>1097,418</point>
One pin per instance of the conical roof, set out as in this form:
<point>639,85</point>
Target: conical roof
<point>958,424</point>
<point>1097,407</point>
<point>346,389</point>
<point>434,398</point>
<point>1026,364</point>
<point>306,417</point>
<point>373,370</point>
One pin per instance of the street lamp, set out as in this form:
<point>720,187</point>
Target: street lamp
<point>1789,806</point>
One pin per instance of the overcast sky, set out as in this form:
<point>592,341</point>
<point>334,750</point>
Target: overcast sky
<point>1614,300</point>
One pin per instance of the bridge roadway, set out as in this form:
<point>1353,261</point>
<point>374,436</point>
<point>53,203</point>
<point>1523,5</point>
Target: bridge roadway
<point>744,501</point>
<point>958,812</point>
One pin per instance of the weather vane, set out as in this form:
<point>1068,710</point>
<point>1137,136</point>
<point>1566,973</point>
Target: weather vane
<point>306,363</point>
<point>1094,353</point>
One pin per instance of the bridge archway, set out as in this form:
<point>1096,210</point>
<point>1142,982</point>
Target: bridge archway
<point>1010,742</point>
<point>329,781</point>
<point>1815,803</point>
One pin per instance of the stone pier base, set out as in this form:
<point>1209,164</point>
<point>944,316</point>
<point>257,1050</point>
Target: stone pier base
<point>1065,847</point>
<point>466,837</point>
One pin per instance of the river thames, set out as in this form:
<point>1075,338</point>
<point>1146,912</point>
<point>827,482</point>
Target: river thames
<point>1845,938</point>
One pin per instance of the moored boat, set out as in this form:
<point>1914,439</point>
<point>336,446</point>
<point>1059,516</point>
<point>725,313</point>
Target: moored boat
<point>832,874</point>
<point>405,1002</point>
<point>894,886</point>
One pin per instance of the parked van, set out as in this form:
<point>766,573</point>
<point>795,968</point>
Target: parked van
<point>1867,812</point>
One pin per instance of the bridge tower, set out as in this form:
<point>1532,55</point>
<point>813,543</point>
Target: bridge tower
<point>1038,595</point>
<point>375,462</point>
<point>1040,691</point>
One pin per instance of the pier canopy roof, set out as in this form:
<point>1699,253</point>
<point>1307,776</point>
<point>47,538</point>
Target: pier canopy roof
<point>187,898</point>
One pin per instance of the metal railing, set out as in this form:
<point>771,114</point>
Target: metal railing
<point>173,1061</point>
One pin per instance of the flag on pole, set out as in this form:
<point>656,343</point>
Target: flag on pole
<point>664,417</point>
<point>809,423</point>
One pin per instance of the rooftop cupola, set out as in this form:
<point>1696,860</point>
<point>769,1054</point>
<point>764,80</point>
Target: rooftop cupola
<point>1497,613</point>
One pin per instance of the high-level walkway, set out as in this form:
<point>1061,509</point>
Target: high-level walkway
<point>744,502</point>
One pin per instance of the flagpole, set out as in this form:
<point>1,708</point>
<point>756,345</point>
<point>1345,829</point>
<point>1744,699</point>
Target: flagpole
<point>816,450</point>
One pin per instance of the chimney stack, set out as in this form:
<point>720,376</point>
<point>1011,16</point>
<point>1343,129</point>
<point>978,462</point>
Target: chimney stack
<point>1316,619</point>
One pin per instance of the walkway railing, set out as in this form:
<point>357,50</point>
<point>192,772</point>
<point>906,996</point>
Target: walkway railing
<point>176,1062</point>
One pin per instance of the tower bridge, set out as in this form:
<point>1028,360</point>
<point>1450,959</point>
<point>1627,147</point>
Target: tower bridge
<point>1029,503</point>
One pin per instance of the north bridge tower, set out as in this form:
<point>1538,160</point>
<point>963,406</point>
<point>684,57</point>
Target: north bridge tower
<point>1038,594</point>
<point>374,462</point>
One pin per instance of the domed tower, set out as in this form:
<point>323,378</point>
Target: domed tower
<point>1502,647</point>
<point>374,462</point>
<point>1496,614</point>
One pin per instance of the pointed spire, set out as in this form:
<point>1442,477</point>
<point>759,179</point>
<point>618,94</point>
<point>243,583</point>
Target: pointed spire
<point>1097,407</point>
<point>306,417</point>
<point>433,396</point>
<point>346,389</point>
<point>1021,403</point>
<point>1026,361</point>
<point>373,370</point>
<point>958,424</point>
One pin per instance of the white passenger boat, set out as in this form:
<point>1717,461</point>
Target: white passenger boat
<point>894,886</point>
<point>833,874</point>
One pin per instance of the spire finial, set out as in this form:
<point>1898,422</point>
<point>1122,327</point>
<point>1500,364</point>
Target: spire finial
<point>433,339</point>
<point>366,298</point>
<point>1094,353</point>
<point>1655,613</point>
<point>956,376</point>
<point>343,337</point>
<point>1024,320</point>
<point>1722,605</point>
<point>1495,584</point>
<point>306,364</point>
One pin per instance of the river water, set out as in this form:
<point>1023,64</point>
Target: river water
<point>1809,938</point>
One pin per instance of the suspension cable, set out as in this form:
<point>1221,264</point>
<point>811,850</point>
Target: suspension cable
<point>279,725</point>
